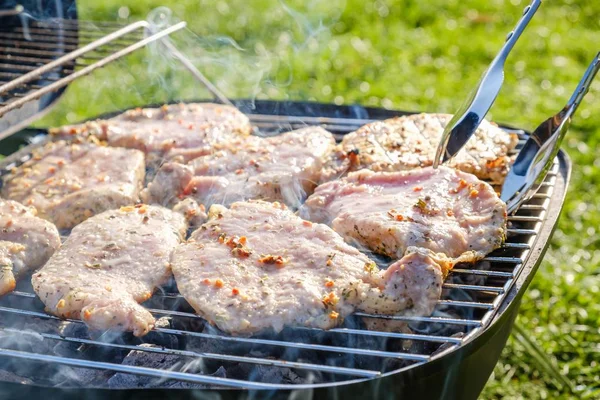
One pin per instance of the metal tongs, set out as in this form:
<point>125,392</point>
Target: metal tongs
<point>466,120</point>
<point>537,155</point>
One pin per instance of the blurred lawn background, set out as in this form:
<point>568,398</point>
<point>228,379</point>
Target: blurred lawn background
<point>411,55</point>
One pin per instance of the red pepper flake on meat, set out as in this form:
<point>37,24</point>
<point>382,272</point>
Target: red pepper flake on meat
<point>218,283</point>
<point>474,193</point>
<point>237,245</point>
<point>461,185</point>
<point>279,261</point>
<point>308,224</point>
<point>239,171</point>
<point>8,223</point>
<point>330,299</point>
<point>235,291</point>
<point>329,283</point>
<point>206,281</point>
<point>353,157</point>
<point>417,188</point>
<point>52,170</point>
<point>450,213</point>
<point>241,252</point>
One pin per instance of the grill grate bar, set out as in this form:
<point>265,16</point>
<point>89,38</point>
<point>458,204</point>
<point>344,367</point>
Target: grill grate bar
<point>494,289</point>
<point>515,246</point>
<point>266,342</point>
<point>393,335</point>
<point>524,218</point>
<point>406,336</point>
<point>437,320</point>
<point>507,260</point>
<point>34,45</point>
<point>192,315</point>
<point>482,272</point>
<point>300,345</point>
<point>223,357</point>
<point>515,231</point>
<point>62,30</point>
<point>156,373</point>
<point>470,304</point>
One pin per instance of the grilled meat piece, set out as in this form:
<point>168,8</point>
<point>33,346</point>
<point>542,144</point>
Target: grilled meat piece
<point>283,168</point>
<point>443,210</point>
<point>258,266</point>
<point>182,131</point>
<point>109,264</point>
<point>26,242</point>
<point>409,142</point>
<point>68,183</point>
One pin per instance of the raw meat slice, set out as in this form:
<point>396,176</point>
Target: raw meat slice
<point>409,142</point>
<point>109,264</point>
<point>184,131</point>
<point>442,210</point>
<point>283,168</point>
<point>26,242</point>
<point>258,266</point>
<point>68,183</point>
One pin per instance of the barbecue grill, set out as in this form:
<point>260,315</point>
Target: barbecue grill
<point>449,354</point>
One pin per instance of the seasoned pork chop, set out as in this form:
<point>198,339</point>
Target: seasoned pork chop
<point>443,210</point>
<point>26,242</point>
<point>409,142</point>
<point>68,183</point>
<point>283,168</point>
<point>258,266</point>
<point>109,264</point>
<point>185,131</point>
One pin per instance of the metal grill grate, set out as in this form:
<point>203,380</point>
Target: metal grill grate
<point>471,299</point>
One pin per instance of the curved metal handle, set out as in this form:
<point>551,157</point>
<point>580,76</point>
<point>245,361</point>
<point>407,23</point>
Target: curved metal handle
<point>537,155</point>
<point>468,117</point>
<point>514,35</point>
<point>584,85</point>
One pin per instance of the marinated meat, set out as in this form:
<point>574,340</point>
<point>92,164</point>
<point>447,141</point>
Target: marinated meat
<point>279,168</point>
<point>409,142</point>
<point>182,131</point>
<point>68,183</point>
<point>109,264</point>
<point>26,242</point>
<point>258,266</point>
<point>443,210</point>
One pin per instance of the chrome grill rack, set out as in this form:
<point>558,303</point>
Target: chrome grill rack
<point>39,59</point>
<point>473,297</point>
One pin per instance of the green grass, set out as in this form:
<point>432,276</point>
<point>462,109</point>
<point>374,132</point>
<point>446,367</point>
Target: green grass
<point>412,55</point>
